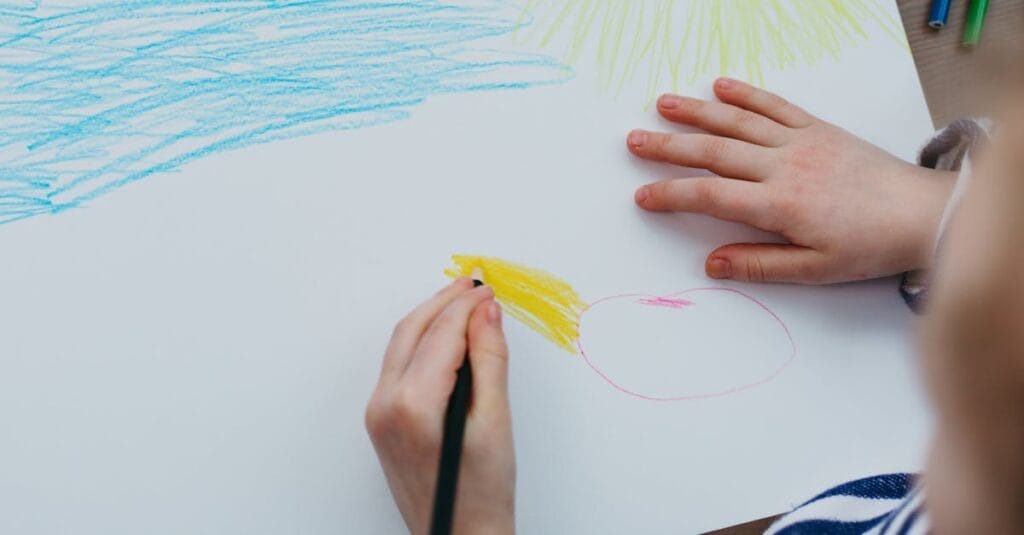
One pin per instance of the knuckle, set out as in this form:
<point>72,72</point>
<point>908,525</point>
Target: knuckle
<point>447,320</point>
<point>796,115</point>
<point>493,350</point>
<point>459,311</point>
<point>746,121</point>
<point>375,419</point>
<point>755,269</point>
<point>405,410</point>
<point>401,327</point>
<point>707,195</point>
<point>397,417</point>
<point>714,149</point>
<point>776,102</point>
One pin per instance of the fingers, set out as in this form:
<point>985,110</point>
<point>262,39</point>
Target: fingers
<point>723,120</point>
<point>762,262</point>
<point>488,354</point>
<point>762,102</point>
<point>410,329</point>
<point>724,198</point>
<point>720,155</point>
<point>443,347</point>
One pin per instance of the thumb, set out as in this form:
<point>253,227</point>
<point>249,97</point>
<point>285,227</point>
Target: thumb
<point>765,262</point>
<point>488,355</point>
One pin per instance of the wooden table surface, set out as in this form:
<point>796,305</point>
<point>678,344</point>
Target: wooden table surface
<point>954,79</point>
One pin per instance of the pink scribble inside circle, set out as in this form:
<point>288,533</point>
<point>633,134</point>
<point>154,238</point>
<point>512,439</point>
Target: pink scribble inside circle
<point>690,308</point>
<point>667,302</point>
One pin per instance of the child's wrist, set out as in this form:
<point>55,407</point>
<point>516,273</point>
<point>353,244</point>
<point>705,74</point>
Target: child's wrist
<point>936,189</point>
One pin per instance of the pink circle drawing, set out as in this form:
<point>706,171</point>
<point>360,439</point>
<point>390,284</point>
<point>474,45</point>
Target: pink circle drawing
<point>683,301</point>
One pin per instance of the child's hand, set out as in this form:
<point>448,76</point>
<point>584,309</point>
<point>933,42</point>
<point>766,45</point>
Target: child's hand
<point>405,416</point>
<point>849,210</point>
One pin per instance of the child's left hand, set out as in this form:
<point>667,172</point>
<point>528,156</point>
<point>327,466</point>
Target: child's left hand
<point>848,209</point>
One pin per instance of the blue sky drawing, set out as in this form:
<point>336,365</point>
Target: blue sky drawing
<point>100,94</point>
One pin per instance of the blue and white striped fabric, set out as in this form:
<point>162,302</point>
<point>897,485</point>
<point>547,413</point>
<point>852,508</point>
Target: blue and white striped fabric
<point>880,505</point>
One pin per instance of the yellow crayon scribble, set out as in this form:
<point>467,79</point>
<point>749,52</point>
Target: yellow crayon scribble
<point>541,301</point>
<point>647,41</point>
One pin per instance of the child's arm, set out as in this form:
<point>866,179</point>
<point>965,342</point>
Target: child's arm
<point>973,354</point>
<point>848,209</point>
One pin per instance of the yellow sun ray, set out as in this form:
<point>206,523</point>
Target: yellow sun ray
<point>743,37</point>
<point>541,301</point>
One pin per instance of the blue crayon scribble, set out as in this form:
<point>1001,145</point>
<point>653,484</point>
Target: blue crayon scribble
<point>101,94</point>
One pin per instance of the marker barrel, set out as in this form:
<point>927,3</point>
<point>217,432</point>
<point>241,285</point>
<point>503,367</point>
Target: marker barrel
<point>975,22</point>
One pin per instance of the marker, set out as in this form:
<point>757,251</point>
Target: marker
<point>451,445</point>
<point>975,22</point>
<point>940,14</point>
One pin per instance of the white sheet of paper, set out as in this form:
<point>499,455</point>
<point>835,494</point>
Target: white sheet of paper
<point>193,352</point>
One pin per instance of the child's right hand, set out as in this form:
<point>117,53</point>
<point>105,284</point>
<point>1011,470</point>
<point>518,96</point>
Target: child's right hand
<point>849,210</point>
<point>405,416</point>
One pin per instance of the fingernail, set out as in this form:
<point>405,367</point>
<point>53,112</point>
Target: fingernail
<point>725,83</point>
<point>719,268</point>
<point>494,313</point>
<point>641,195</point>
<point>669,102</point>
<point>637,138</point>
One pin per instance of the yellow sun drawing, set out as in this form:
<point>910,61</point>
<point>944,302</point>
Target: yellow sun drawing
<point>681,40</point>
<point>543,302</point>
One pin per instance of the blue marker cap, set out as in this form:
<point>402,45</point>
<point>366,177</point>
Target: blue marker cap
<point>940,14</point>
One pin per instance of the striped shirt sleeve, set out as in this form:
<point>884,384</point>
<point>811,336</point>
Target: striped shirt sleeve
<point>880,505</point>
